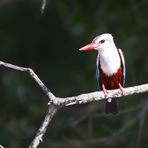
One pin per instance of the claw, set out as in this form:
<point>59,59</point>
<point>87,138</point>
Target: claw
<point>121,89</point>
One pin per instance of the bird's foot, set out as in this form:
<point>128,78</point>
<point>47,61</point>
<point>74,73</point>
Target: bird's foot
<point>106,94</point>
<point>121,89</point>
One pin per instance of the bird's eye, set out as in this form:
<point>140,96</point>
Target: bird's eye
<point>102,41</point>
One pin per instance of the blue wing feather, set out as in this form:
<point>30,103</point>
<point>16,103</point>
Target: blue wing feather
<point>98,72</point>
<point>123,63</point>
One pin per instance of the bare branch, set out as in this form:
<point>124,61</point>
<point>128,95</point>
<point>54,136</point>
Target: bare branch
<point>41,131</point>
<point>43,6</point>
<point>80,99</point>
<point>1,146</point>
<point>55,103</point>
<point>97,96</point>
<point>33,75</point>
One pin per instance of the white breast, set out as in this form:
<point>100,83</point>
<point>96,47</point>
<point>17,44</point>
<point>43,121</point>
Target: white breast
<point>109,61</point>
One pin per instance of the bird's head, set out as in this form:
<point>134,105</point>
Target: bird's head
<point>103,41</point>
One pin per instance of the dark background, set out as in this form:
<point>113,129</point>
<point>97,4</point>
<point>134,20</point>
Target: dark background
<point>48,43</point>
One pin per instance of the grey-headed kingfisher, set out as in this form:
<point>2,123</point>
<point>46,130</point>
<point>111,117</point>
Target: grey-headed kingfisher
<point>110,71</point>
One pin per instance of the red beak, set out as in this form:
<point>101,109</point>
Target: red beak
<point>90,46</point>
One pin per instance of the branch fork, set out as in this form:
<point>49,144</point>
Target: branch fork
<point>55,103</point>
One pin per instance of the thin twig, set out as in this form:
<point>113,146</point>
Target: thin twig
<point>43,6</point>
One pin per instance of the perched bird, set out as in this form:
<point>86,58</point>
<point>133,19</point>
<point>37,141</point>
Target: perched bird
<point>110,71</point>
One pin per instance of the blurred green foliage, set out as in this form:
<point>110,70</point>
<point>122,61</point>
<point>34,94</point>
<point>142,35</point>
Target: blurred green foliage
<point>49,44</point>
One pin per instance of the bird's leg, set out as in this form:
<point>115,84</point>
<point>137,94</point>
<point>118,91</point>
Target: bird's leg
<point>121,89</point>
<point>104,90</point>
<point>105,93</point>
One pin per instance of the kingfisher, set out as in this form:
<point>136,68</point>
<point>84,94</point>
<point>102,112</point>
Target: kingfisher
<point>110,68</point>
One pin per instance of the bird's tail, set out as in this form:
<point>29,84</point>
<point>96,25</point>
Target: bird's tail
<point>111,106</point>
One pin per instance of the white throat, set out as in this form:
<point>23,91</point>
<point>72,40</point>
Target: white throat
<point>109,60</point>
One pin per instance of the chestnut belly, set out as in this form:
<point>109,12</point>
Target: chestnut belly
<point>111,82</point>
